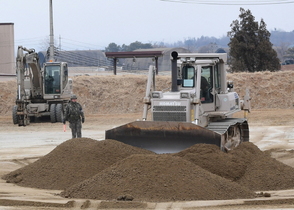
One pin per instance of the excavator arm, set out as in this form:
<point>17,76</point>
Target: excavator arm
<point>29,71</point>
<point>29,83</point>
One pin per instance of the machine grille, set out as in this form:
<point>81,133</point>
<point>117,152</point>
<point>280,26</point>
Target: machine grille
<point>169,108</point>
<point>169,116</point>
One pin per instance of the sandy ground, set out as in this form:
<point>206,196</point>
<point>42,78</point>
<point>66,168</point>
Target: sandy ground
<point>271,130</point>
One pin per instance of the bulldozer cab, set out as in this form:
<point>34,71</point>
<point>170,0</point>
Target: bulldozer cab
<point>56,78</point>
<point>189,76</point>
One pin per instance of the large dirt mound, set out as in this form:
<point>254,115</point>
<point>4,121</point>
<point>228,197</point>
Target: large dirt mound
<point>267,89</point>
<point>157,178</point>
<point>71,162</point>
<point>107,169</point>
<point>114,94</point>
<point>125,93</point>
<point>246,165</point>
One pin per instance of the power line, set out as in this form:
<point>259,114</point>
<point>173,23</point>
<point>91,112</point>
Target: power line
<point>66,43</point>
<point>230,2</point>
<point>81,44</point>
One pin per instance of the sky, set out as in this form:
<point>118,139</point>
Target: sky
<point>93,24</point>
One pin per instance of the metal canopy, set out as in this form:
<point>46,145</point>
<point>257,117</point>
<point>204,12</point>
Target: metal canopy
<point>134,54</point>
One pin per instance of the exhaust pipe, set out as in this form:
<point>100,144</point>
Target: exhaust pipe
<point>174,72</point>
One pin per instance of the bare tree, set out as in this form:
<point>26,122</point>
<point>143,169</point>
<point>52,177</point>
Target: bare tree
<point>282,50</point>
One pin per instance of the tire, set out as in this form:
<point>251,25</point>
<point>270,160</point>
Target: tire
<point>53,113</point>
<point>59,113</point>
<point>14,115</point>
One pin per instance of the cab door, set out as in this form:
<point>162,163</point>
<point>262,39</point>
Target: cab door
<point>207,87</point>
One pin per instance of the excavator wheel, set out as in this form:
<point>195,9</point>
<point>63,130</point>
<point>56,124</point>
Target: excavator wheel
<point>53,113</point>
<point>59,112</point>
<point>14,115</point>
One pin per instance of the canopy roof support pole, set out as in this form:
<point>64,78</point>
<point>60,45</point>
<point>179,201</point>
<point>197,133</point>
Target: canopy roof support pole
<point>114,65</point>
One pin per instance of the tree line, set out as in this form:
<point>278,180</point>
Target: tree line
<point>248,44</point>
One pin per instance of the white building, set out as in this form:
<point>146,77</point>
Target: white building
<point>7,58</point>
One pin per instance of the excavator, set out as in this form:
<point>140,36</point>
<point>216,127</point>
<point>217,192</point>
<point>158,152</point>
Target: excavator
<point>198,108</point>
<point>41,91</point>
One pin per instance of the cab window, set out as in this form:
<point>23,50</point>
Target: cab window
<point>206,84</point>
<point>188,76</point>
<point>52,79</point>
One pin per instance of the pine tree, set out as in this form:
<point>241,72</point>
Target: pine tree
<point>250,46</point>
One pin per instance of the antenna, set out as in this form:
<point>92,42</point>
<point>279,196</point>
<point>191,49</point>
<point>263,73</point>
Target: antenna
<point>51,49</point>
<point>59,42</point>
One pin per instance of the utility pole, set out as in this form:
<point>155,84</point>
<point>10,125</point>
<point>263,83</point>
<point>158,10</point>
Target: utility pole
<point>51,49</point>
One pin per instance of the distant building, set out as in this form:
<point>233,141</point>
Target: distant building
<point>7,57</point>
<point>164,62</point>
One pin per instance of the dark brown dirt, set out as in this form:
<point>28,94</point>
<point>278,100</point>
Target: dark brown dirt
<point>71,162</point>
<point>108,169</point>
<point>266,173</point>
<point>246,165</point>
<point>7,202</point>
<point>211,158</point>
<point>157,178</point>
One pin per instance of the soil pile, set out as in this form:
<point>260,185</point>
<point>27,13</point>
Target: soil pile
<point>267,89</point>
<point>109,169</point>
<point>71,162</point>
<point>211,158</point>
<point>157,178</point>
<point>124,93</point>
<point>264,172</point>
<point>246,165</point>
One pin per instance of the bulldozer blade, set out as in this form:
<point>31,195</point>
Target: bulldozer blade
<point>163,136</point>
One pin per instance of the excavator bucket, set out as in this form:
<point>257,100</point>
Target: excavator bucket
<point>163,136</point>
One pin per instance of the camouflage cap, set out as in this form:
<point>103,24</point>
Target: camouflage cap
<point>73,97</point>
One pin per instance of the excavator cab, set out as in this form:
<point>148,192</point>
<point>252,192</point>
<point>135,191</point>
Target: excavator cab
<point>52,79</point>
<point>55,79</point>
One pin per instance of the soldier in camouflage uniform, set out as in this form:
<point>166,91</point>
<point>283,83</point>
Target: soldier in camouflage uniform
<point>75,116</point>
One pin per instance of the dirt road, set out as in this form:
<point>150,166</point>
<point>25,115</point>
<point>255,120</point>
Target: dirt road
<point>269,129</point>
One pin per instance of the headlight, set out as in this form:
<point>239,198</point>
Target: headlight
<point>192,59</point>
<point>185,95</point>
<point>155,95</point>
<point>184,60</point>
